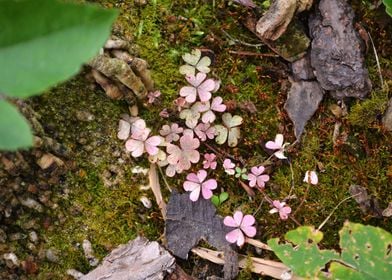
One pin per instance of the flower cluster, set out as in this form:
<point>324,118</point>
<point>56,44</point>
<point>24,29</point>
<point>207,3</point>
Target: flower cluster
<point>176,147</point>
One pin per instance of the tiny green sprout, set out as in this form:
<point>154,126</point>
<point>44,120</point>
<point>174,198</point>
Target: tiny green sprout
<point>218,200</point>
<point>241,173</point>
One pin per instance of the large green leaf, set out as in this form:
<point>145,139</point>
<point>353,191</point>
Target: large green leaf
<point>388,5</point>
<point>15,132</point>
<point>305,259</point>
<point>366,253</point>
<point>44,42</point>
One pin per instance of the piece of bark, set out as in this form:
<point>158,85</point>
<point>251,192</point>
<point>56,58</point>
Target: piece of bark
<point>337,51</point>
<point>302,102</point>
<point>189,222</point>
<point>140,259</point>
<point>119,70</point>
<point>279,15</point>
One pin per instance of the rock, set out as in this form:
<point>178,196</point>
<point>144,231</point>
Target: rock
<point>75,273</point>
<point>33,237</point>
<point>47,160</point>
<point>146,202</point>
<point>139,259</point>
<point>84,116</point>
<point>89,253</point>
<point>302,102</point>
<point>337,51</point>
<point>387,119</point>
<point>16,236</point>
<point>52,255</point>
<point>31,203</point>
<point>11,260</point>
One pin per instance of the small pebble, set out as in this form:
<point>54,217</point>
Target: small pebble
<point>31,203</point>
<point>52,255</point>
<point>89,253</point>
<point>84,116</point>
<point>33,236</point>
<point>47,160</point>
<point>16,236</point>
<point>11,260</point>
<point>139,169</point>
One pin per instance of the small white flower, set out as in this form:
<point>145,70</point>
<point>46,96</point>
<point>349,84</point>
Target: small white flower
<point>311,177</point>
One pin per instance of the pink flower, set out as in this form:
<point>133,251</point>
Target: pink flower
<point>199,86</point>
<point>228,165</point>
<point>171,133</point>
<point>164,113</point>
<point>140,142</point>
<point>153,95</point>
<point>242,225</point>
<point>311,177</point>
<point>279,207</point>
<point>216,105</point>
<point>277,145</point>
<point>180,102</point>
<point>184,155</point>
<point>196,183</point>
<point>204,131</point>
<point>256,177</point>
<point>209,161</point>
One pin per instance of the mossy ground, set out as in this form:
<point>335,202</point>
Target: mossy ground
<point>164,30</point>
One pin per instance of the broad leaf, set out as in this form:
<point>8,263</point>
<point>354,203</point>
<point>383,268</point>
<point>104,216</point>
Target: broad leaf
<point>14,129</point>
<point>44,42</point>
<point>388,5</point>
<point>365,253</point>
<point>304,258</point>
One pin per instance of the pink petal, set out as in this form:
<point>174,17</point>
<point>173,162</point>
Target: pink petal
<point>249,231</point>
<point>238,217</point>
<point>190,186</point>
<point>233,235</point>
<point>272,145</point>
<point>277,204</point>
<point>194,196</point>
<point>229,221</point>
<point>210,184</point>
<point>208,117</point>
<point>193,156</point>
<point>213,165</point>
<point>151,150</point>
<point>124,129</point>
<point>201,175</point>
<point>193,178</point>
<point>240,239</point>
<point>211,133</point>
<point>247,221</point>
<point>134,146</point>
<point>200,77</point>
<point>165,130</point>
<point>204,90</point>
<point>217,105</point>
<point>170,170</point>
<point>153,141</point>
<point>207,194</point>
<point>280,155</point>
<point>189,93</point>
<point>252,180</point>
<point>279,139</point>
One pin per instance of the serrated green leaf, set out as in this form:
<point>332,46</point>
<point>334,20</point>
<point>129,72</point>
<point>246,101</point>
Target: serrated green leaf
<point>44,42</point>
<point>14,129</point>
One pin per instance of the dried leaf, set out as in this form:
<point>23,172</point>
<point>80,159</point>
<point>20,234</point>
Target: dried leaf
<point>302,101</point>
<point>188,222</point>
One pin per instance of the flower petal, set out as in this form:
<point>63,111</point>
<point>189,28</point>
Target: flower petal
<point>272,145</point>
<point>249,230</point>
<point>194,196</point>
<point>233,235</point>
<point>240,239</point>
<point>238,217</point>
<point>248,220</point>
<point>201,175</point>
<point>190,186</point>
